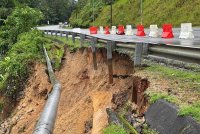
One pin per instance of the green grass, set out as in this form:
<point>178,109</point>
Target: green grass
<point>147,130</point>
<point>192,78</point>
<point>114,129</point>
<point>183,81</point>
<point>154,96</point>
<point>128,12</point>
<point>192,110</point>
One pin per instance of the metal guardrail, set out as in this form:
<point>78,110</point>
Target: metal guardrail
<point>47,119</point>
<point>184,54</point>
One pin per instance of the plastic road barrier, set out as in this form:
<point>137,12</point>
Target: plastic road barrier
<point>107,30</point>
<point>93,30</point>
<point>153,31</point>
<point>101,30</point>
<point>140,30</point>
<point>167,31</point>
<point>121,30</point>
<point>129,30</point>
<point>113,30</point>
<point>186,31</point>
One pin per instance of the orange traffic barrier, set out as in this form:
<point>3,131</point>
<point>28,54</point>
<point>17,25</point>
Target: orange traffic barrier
<point>93,30</point>
<point>140,30</point>
<point>107,30</point>
<point>121,30</point>
<point>167,31</point>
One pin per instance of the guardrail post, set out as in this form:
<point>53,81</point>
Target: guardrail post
<point>61,33</point>
<point>145,49</point>
<point>56,33</point>
<point>67,34</point>
<point>138,54</point>
<point>43,32</point>
<point>73,37</point>
<point>82,39</point>
<point>93,47</point>
<point>110,45</point>
<point>51,32</point>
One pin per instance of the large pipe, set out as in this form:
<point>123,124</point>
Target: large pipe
<point>47,119</point>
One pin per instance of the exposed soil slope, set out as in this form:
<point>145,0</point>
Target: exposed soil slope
<point>26,113</point>
<point>86,93</point>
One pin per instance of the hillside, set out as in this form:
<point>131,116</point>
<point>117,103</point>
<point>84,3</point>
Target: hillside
<point>128,12</point>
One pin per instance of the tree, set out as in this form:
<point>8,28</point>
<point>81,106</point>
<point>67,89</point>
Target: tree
<point>57,10</point>
<point>21,20</point>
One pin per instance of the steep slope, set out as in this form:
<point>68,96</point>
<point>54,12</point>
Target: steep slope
<point>85,95</point>
<point>154,12</point>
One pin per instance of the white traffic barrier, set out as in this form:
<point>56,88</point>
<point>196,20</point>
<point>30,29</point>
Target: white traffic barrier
<point>101,31</point>
<point>114,30</point>
<point>76,30</point>
<point>153,31</point>
<point>129,30</point>
<point>186,31</point>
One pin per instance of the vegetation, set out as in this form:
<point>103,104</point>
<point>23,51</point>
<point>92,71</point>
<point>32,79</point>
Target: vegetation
<point>83,14</point>
<point>22,48</point>
<point>183,89</point>
<point>114,129</point>
<point>15,67</point>
<point>128,12</point>
<point>55,50</point>
<point>191,78</point>
<point>54,10</point>
<point>147,130</point>
<point>21,20</point>
<point>129,127</point>
<point>154,96</point>
<point>191,110</point>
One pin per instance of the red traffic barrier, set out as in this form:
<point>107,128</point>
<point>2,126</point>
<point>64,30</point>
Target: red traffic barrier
<point>167,31</point>
<point>121,30</point>
<point>93,30</point>
<point>107,30</point>
<point>140,30</point>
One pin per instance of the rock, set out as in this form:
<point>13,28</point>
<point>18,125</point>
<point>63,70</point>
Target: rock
<point>120,99</point>
<point>140,120</point>
<point>43,92</point>
<point>30,110</point>
<point>19,107</point>
<point>23,105</point>
<point>14,122</point>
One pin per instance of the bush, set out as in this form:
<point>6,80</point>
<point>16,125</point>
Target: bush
<point>15,67</point>
<point>22,19</point>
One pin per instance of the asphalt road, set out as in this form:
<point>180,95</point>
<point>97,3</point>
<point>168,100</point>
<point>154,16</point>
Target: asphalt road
<point>194,43</point>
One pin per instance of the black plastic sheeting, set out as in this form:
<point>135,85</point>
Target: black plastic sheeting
<point>163,117</point>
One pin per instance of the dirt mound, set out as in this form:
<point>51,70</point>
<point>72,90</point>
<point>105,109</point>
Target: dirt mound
<point>29,108</point>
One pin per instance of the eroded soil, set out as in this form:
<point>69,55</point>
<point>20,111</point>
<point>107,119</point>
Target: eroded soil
<point>85,95</point>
